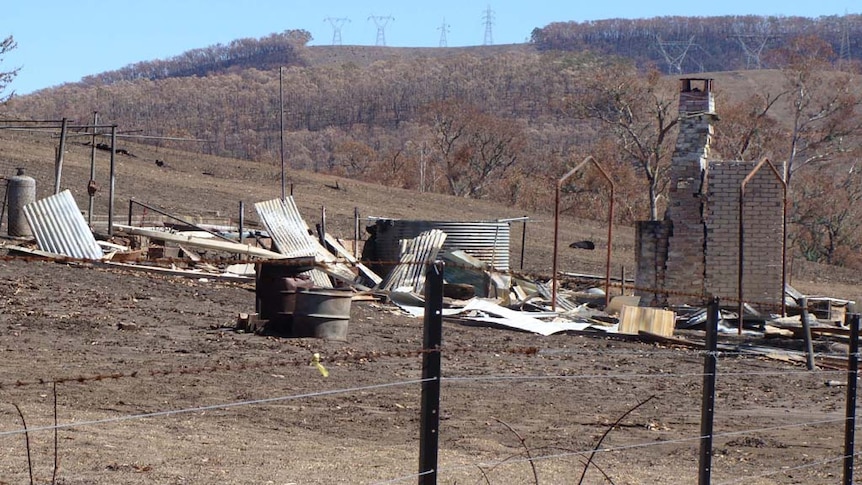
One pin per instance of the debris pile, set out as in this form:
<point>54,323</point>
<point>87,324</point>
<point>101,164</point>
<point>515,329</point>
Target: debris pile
<point>304,283</point>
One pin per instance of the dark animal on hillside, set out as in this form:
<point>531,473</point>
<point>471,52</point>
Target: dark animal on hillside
<point>160,163</point>
<point>583,245</point>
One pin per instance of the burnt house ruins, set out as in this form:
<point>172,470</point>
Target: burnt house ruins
<point>695,251</point>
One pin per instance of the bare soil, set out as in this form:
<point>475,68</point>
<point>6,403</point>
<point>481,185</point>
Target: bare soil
<point>156,386</point>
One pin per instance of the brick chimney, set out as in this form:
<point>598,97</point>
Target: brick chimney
<point>688,171</point>
<point>695,96</point>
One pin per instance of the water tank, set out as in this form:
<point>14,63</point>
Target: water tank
<point>487,241</point>
<point>21,191</point>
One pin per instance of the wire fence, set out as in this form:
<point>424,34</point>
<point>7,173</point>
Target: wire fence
<point>539,420</point>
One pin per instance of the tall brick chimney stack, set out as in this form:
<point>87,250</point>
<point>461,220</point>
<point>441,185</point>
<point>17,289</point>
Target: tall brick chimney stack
<point>688,171</point>
<point>695,96</point>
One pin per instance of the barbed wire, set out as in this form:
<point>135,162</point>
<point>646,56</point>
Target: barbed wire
<point>396,384</point>
<point>632,376</point>
<point>352,356</point>
<point>167,263</point>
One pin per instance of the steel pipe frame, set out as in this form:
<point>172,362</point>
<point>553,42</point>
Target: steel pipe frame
<point>560,182</point>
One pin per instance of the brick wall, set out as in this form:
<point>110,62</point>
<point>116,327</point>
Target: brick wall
<point>762,232</point>
<point>651,259</point>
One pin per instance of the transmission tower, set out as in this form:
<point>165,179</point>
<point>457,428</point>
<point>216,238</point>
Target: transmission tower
<point>488,17</point>
<point>844,54</point>
<point>674,53</point>
<point>336,24</point>
<point>753,45</point>
<point>444,29</point>
<point>381,22</point>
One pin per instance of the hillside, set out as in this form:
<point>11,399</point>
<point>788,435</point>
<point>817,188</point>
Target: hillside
<point>497,123</point>
<point>190,185</point>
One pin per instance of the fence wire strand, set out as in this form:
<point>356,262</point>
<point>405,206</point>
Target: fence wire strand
<point>212,407</point>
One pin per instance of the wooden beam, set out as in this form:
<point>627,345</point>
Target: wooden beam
<point>212,244</point>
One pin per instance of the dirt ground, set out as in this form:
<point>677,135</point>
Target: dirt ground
<point>157,387</point>
<point>171,343</point>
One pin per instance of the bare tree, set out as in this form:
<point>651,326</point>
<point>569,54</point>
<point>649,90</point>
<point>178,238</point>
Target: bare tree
<point>475,148</point>
<point>822,102</point>
<point>639,111</point>
<point>747,130</point>
<point>6,77</point>
<point>825,213</point>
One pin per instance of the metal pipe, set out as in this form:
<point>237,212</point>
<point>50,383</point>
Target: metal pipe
<point>179,219</point>
<point>323,226</point>
<point>58,163</point>
<point>92,196</point>
<point>850,405</point>
<point>241,220</point>
<point>113,178</point>
<point>556,243</point>
<point>806,333</point>
<point>523,241</point>
<point>33,121</point>
<point>623,280</point>
<point>356,232</point>
<point>560,182</point>
<point>281,126</point>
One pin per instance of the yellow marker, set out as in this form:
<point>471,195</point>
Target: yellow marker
<point>315,361</point>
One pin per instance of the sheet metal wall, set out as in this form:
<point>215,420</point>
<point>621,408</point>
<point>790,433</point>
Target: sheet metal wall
<point>60,228</point>
<point>486,241</point>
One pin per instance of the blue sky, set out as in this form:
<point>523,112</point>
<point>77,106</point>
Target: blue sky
<point>63,41</point>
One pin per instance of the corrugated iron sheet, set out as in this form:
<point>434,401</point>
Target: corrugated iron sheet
<point>60,228</point>
<point>290,234</point>
<point>415,255</point>
<point>288,230</point>
<point>486,241</point>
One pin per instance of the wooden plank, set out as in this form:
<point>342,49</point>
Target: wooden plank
<point>212,244</point>
<point>177,272</point>
<point>653,320</point>
<point>344,253</point>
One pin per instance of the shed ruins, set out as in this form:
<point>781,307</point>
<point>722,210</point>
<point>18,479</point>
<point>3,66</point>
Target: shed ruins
<point>695,250</point>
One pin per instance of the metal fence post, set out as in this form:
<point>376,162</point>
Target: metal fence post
<point>806,333</point>
<point>241,222</point>
<point>710,361</point>
<point>852,373</point>
<point>432,339</point>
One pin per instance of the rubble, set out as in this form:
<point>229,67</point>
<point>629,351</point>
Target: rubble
<point>475,292</point>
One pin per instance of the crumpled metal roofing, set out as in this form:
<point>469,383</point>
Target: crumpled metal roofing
<point>60,228</point>
<point>288,230</point>
<point>290,234</point>
<point>416,254</point>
